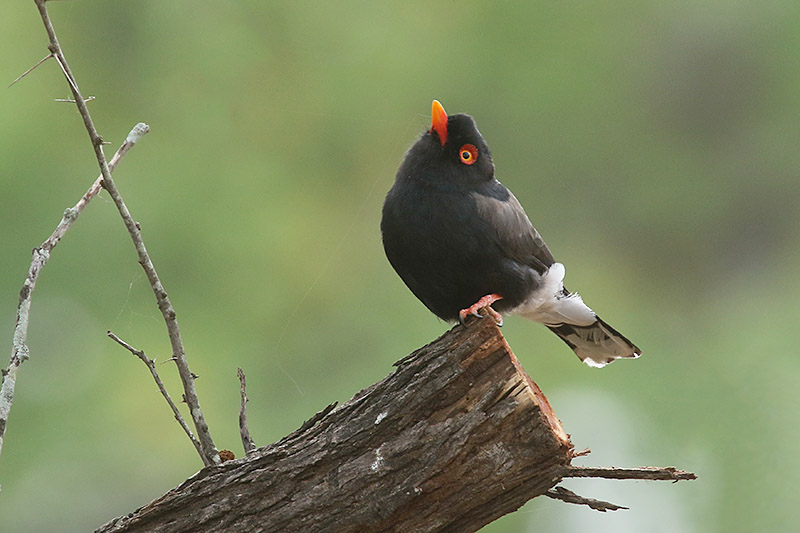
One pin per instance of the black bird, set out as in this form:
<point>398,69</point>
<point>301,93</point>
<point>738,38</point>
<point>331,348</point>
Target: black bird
<point>462,242</point>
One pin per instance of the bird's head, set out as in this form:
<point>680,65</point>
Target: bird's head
<point>452,153</point>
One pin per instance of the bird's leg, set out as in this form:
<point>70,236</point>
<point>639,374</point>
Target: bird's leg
<point>485,302</point>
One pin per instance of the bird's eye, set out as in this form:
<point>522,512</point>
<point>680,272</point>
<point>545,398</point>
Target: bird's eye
<point>468,154</point>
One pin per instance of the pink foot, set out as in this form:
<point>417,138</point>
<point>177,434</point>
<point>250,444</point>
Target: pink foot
<point>484,303</point>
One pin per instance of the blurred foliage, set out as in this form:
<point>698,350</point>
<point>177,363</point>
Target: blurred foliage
<point>654,145</point>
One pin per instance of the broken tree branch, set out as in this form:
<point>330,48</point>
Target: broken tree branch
<point>669,473</point>
<point>457,436</point>
<point>151,365</point>
<point>208,452</point>
<point>244,430</point>
<point>567,496</point>
<point>41,254</point>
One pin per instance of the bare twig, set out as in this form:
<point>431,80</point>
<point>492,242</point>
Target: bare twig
<point>566,495</point>
<point>669,473</point>
<point>151,364</point>
<point>244,431</point>
<point>209,453</point>
<point>19,349</point>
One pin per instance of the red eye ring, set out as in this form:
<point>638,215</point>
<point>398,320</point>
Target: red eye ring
<point>468,154</point>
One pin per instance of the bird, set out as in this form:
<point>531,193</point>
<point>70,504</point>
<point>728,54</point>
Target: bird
<point>462,243</point>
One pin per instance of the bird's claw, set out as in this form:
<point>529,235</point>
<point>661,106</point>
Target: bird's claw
<point>498,318</point>
<point>462,316</point>
<point>484,303</point>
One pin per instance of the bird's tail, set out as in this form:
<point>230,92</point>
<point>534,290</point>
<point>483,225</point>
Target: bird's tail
<point>596,344</point>
<point>593,341</point>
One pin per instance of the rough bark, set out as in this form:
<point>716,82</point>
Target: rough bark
<point>457,436</point>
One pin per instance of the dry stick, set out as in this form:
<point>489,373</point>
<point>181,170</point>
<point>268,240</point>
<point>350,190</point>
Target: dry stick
<point>19,349</point>
<point>209,453</point>
<point>244,430</point>
<point>669,473</point>
<point>566,495</point>
<point>151,364</point>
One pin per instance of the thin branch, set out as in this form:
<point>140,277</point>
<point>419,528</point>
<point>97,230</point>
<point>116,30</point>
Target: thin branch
<point>151,364</point>
<point>247,441</point>
<point>566,495</point>
<point>19,349</point>
<point>56,51</point>
<point>209,453</point>
<point>45,58</point>
<point>669,473</point>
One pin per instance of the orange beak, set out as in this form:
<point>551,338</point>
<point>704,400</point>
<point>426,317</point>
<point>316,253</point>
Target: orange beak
<point>439,121</point>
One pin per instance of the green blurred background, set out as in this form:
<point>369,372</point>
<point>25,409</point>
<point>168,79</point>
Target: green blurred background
<point>654,145</point>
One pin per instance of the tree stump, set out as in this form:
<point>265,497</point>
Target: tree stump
<point>457,436</point>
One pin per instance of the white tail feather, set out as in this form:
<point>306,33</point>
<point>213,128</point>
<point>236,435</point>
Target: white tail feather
<point>550,305</point>
<point>595,342</point>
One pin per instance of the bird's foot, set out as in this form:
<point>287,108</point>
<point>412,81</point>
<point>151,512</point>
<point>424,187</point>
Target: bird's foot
<point>484,303</point>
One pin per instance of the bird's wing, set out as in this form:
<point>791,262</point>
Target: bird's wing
<point>512,229</point>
